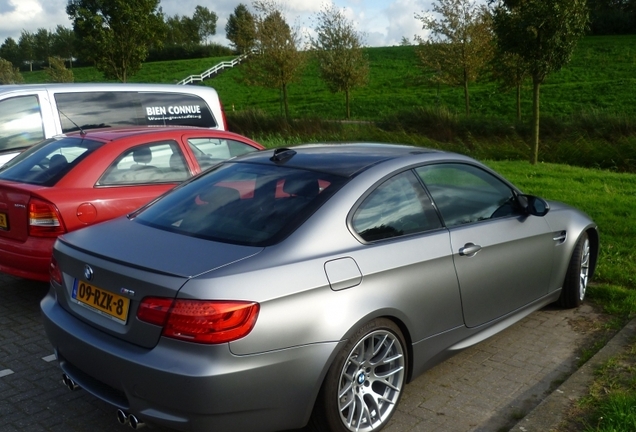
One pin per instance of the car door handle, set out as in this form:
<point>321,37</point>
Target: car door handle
<point>469,249</point>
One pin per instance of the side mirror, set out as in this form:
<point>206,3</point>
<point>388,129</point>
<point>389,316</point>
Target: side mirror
<point>533,205</point>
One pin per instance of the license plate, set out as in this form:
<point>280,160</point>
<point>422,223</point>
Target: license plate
<point>103,302</point>
<point>4,221</point>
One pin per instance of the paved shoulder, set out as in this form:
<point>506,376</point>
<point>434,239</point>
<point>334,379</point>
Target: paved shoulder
<point>550,412</point>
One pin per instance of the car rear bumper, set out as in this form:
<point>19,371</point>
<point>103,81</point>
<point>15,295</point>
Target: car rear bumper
<point>189,386</point>
<point>28,260</point>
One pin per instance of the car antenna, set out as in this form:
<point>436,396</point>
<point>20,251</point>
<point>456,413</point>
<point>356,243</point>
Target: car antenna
<point>282,155</point>
<point>82,132</point>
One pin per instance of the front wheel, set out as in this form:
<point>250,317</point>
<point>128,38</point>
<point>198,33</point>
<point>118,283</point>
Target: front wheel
<point>577,276</point>
<point>365,382</point>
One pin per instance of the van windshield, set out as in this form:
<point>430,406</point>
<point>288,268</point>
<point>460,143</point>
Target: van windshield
<point>46,163</point>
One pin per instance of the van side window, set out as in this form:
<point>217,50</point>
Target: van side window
<point>91,110</point>
<point>183,109</point>
<point>210,151</point>
<point>20,122</point>
<point>99,109</point>
<point>160,162</point>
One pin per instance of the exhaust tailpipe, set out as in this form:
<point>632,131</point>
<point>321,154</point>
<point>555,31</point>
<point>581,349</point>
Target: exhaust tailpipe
<point>122,417</point>
<point>68,382</point>
<point>129,419</point>
<point>135,423</point>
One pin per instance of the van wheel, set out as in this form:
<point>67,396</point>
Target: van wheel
<point>364,384</point>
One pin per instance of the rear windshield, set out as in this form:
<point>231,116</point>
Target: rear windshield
<point>46,163</point>
<point>241,203</point>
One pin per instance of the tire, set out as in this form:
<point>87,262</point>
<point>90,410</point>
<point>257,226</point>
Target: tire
<point>577,276</point>
<point>364,384</point>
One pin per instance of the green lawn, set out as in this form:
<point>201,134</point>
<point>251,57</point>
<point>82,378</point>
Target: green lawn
<point>600,77</point>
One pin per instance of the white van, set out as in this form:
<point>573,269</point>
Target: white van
<point>32,112</point>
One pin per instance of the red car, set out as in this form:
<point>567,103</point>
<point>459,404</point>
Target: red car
<point>75,180</point>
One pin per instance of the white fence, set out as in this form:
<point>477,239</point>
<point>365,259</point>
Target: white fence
<point>213,70</point>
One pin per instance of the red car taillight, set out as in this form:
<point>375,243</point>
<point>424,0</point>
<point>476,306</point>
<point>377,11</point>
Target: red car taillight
<point>201,321</point>
<point>223,117</point>
<point>44,219</point>
<point>55,272</point>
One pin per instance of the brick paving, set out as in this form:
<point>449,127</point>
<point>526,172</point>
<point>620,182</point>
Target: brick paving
<point>489,387</point>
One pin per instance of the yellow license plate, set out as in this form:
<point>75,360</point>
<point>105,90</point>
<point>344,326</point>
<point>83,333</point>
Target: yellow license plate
<point>4,221</point>
<point>106,303</point>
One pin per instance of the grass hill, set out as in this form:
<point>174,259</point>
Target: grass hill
<point>599,78</point>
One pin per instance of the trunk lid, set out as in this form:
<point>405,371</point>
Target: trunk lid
<point>122,262</point>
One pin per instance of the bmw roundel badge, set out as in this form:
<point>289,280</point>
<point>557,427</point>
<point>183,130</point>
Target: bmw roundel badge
<point>88,272</point>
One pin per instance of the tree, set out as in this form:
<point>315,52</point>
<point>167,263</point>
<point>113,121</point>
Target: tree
<point>57,72</point>
<point>181,30</point>
<point>205,21</point>
<point>511,71</point>
<point>64,43</point>
<point>241,29</point>
<point>612,16</point>
<point>26,43</point>
<point>543,34</point>
<point>338,47</point>
<point>277,60</point>
<point>43,45</point>
<point>10,51</point>
<point>116,34</point>
<point>9,74</point>
<point>459,45</point>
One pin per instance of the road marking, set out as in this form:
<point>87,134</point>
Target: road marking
<point>4,373</point>
<point>49,358</point>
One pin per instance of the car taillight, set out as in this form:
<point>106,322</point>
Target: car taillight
<point>201,321</point>
<point>55,272</point>
<point>44,219</point>
<point>223,117</point>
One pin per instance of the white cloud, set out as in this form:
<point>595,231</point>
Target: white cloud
<point>30,15</point>
<point>403,24</point>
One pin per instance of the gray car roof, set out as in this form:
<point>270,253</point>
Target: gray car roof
<point>342,159</point>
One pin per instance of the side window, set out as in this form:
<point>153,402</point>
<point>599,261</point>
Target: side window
<point>210,151</point>
<point>397,207</point>
<point>90,110</point>
<point>20,122</point>
<point>151,163</point>
<point>176,109</point>
<point>465,194</point>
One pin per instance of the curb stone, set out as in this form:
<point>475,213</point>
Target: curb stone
<point>547,416</point>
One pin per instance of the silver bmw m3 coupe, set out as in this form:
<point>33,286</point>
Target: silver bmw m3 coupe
<point>305,286</point>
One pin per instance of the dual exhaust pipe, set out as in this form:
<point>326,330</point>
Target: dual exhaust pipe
<point>129,419</point>
<point>69,383</point>
<point>122,416</point>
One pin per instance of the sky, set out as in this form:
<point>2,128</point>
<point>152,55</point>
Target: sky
<point>382,22</point>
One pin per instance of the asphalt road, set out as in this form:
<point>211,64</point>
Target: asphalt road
<point>489,387</point>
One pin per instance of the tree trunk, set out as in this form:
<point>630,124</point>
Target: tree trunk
<point>536,85</point>
<point>518,102</point>
<point>466,97</point>
<point>285,103</point>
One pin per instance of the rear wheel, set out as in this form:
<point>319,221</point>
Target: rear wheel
<point>577,277</point>
<point>365,382</point>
